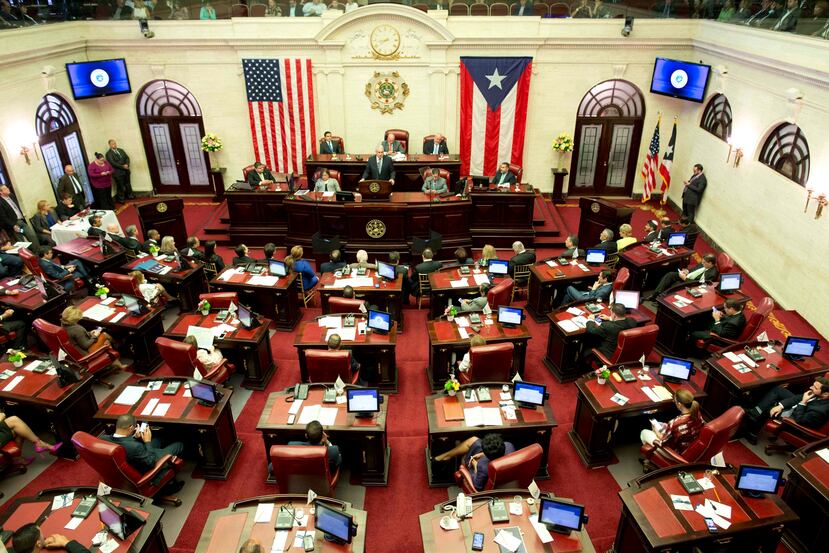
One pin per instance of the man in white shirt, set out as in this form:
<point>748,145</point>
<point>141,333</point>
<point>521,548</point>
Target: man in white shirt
<point>314,8</point>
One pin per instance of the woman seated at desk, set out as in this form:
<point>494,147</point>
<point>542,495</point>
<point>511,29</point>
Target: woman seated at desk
<point>151,292</point>
<point>681,431</point>
<point>326,184</point>
<point>168,246</point>
<point>13,428</point>
<point>210,256</point>
<point>209,359</point>
<point>486,254</point>
<point>303,267</point>
<point>86,341</point>
<point>466,362</point>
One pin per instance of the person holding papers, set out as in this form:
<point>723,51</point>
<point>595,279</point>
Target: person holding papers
<point>681,431</point>
<point>599,291</point>
<point>315,435</point>
<point>809,409</point>
<point>608,331</point>
<point>66,210</point>
<point>707,270</point>
<point>474,304</point>
<point>86,341</point>
<point>150,291</point>
<point>477,454</point>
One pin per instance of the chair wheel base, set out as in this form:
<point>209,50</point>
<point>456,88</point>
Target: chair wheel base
<point>173,500</point>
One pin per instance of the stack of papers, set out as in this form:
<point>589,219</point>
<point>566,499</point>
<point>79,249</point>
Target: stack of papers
<point>681,301</point>
<point>823,454</point>
<point>98,312</point>
<point>130,395</point>
<point>568,326</point>
<point>583,267</point>
<point>716,511</point>
<point>462,283</point>
<point>731,356</point>
<point>346,334</point>
<point>330,322</point>
<point>263,280</point>
<point>575,311</point>
<point>663,392</point>
<point>482,416</point>
<point>480,278</point>
<point>204,336</point>
<point>619,399</point>
<point>651,394</point>
<point>551,263</point>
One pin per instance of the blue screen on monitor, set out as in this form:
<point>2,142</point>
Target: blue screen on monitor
<point>802,347</point>
<point>362,400</point>
<point>680,79</point>
<point>526,392</point>
<point>333,522</point>
<point>498,267</point>
<point>98,78</point>
<point>277,268</point>
<point>560,514</point>
<point>758,479</point>
<point>386,271</point>
<point>379,320</point>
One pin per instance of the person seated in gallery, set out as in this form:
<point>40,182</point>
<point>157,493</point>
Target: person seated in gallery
<point>209,358</point>
<point>474,304</point>
<point>705,271</point>
<point>168,246</point>
<point>315,435</point>
<point>335,262</point>
<point>362,261</point>
<point>600,290</point>
<point>572,245</point>
<point>521,256</point>
<point>241,257</point>
<point>626,237</point>
<point>436,146</point>
<point>268,251</point>
<point>260,175</point>
<point>651,231</point>
<point>477,454</point>
<point>434,183</point>
<point>680,432</point>
<point>607,243</point>
<point>65,209</point>
<point>325,183</point>
<point>210,256</point>
<point>10,264</point>
<point>42,222</point>
<point>13,428</point>
<point>461,258</point>
<point>666,228</point>
<point>503,176</point>
<point>394,259</point>
<point>466,361</point>
<point>303,267</point>
<point>29,539</point>
<point>192,249</point>
<point>335,343</point>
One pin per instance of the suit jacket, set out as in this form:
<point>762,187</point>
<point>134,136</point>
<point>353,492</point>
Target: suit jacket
<point>297,9</point>
<point>65,213</point>
<point>52,269</point>
<point>693,192</point>
<point>422,268</point>
<point>730,327</point>
<point>40,223</point>
<point>117,158</point>
<point>508,179</point>
<point>80,337</point>
<point>651,236</point>
<point>334,148</point>
<point>608,333</point>
<point>331,266</point>
<point>788,21</point>
<point>140,456</point>
<point>128,242</point>
<point>386,171</point>
<point>568,253</point>
<point>710,275</point>
<point>148,243</point>
<point>812,415</point>
<point>528,9</point>
<point>191,252</point>
<point>396,146</point>
<point>475,304</point>
<point>429,147</point>
<point>65,186</point>
<point>524,258</point>
<point>435,184</point>
<point>665,233</point>
<point>95,232</point>
<point>608,245</point>
<point>244,260</point>
<point>255,179</point>
<point>8,218</point>
<point>602,292</point>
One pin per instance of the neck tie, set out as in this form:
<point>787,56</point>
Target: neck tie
<point>76,185</point>
<point>503,176</point>
<point>379,164</point>
<point>330,147</point>
<point>437,147</point>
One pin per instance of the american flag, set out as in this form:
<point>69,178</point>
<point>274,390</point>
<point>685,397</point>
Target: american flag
<point>281,108</point>
<point>667,161</point>
<point>651,164</point>
<point>494,96</point>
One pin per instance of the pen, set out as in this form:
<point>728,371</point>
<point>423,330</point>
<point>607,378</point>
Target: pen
<point>717,495</point>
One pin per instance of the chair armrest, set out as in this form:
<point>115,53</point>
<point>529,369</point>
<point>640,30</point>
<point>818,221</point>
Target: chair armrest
<point>667,454</point>
<point>716,338</point>
<point>95,354</point>
<point>334,479</point>
<point>600,357</point>
<point>160,465</point>
<point>788,424</point>
<point>464,479</point>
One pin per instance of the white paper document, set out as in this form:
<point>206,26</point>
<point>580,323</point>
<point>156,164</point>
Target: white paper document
<point>462,321</point>
<point>130,395</point>
<point>203,336</point>
<point>109,301</point>
<point>161,409</point>
<point>709,512</point>
<point>663,392</point>
<point>731,356</point>
<point>280,541</point>
<point>575,311</point>
<point>464,334</point>
<point>300,535</point>
<point>747,360</point>
<point>507,540</point>
<point>264,512</point>
<point>227,275</point>
<point>118,317</point>
<point>98,312</point>
<point>263,280</point>
<point>482,416</point>
<point>150,407</point>
<point>346,334</point>
<point>73,523</point>
<point>682,502</point>
<point>541,530</point>
<point>12,383</point>
<point>108,546</point>
<point>619,399</point>
<point>720,508</point>
<point>706,483</point>
<point>480,278</point>
<point>462,283</point>
<point>330,322</point>
<point>568,326</point>
<point>823,454</point>
<point>327,416</point>
<point>295,406</point>
<point>309,413</point>
<point>651,394</point>
<point>61,501</point>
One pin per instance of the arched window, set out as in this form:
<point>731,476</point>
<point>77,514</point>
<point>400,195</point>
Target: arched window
<point>171,127</point>
<point>608,133</point>
<point>787,152</point>
<point>61,141</point>
<point>716,118</point>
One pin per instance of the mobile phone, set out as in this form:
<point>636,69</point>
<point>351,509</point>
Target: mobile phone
<point>712,528</point>
<point>308,542</point>
<point>477,541</point>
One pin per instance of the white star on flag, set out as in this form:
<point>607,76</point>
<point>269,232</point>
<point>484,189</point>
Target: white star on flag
<point>669,150</point>
<point>495,79</point>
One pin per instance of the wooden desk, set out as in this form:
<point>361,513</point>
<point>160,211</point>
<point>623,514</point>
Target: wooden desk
<point>564,348</point>
<point>186,284</point>
<point>548,283</point>
<point>30,304</point>
<point>227,529</point>
<point>208,431</point>
<point>534,426</point>
<point>387,295</point>
<point>726,386</point>
<point>147,539</point>
<point>647,267</point>
<point>39,399</point>
<point>135,333</point>
<point>407,178</point>
<point>437,540</point>
<point>257,216</point>
<point>675,323</point>
<point>500,216</point>
<point>807,493</point>
<point>362,441</point>
<point>445,339</point>
<point>649,522</point>
<point>597,417</point>
<point>279,302</point>
<point>375,352</point>
<point>442,290</point>
<point>89,253</point>
<point>249,350</point>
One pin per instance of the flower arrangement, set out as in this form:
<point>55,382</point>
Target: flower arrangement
<point>452,312</point>
<point>101,291</point>
<point>452,385</point>
<point>204,307</point>
<point>154,250</point>
<point>602,374</point>
<point>16,357</point>
<point>211,143</point>
<point>563,143</point>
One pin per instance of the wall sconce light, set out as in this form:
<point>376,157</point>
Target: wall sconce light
<point>821,199</point>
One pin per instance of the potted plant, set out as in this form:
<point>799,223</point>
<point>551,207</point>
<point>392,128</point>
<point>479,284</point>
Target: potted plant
<point>452,386</point>
<point>154,250</point>
<point>602,374</point>
<point>563,144</point>
<point>16,357</point>
<point>211,143</point>
<point>101,291</point>
<point>450,315</point>
<point>204,307</point>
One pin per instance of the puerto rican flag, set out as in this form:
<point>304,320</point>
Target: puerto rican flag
<point>494,96</point>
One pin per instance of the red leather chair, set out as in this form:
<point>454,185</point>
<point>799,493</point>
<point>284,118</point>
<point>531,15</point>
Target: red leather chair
<point>458,8</point>
<point>326,365</point>
<point>121,284</point>
<point>258,10</point>
<point>220,300</point>
<point>299,468</point>
<point>401,136</point>
<point>479,9</point>
<point>32,262</point>
<point>499,8</point>
<point>182,359</point>
<point>337,139</point>
<point>10,460</point>
<point>793,435</point>
<point>622,277</point>
<point>489,363</point>
<point>631,345</point>
<point>245,171</point>
<point>344,305</point>
<point>97,362</point>
<point>517,171</point>
<point>558,9</point>
<point>442,173</point>
<point>724,263</point>
<point>238,10</point>
<point>500,294</point>
<point>711,440</point>
<point>109,460</point>
<point>716,342</point>
<point>515,470</point>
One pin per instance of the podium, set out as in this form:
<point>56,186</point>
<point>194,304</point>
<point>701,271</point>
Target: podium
<point>598,214</point>
<point>165,216</point>
<point>375,189</point>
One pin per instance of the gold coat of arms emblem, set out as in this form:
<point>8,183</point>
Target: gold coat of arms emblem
<point>376,228</point>
<point>387,91</point>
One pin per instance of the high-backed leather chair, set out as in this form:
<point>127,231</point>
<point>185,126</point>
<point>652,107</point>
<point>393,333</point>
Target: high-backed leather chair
<point>56,339</point>
<point>724,263</point>
<point>336,139</point>
<point>498,9</point>
<point>489,363</point>
<point>442,173</point>
<point>258,10</point>
<point>238,10</point>
<point>245,171</point>
<point>121,284</point>
<point>11,459</point>
<point>515,470</point>
<point>622,277</point>
<point>478,9</point>
<point>220,300</point>
<point>500,294</point>
<point>182,359</point>
<point>109,460</point>
<point>631,345</point>
<point>401,136</point>
<point>711,440</point>
<point>299,468</point>
<point>792,435</point>
<point>32,263</point>
<point>344,305</point>
<point>715,342</point>
<point>516,170</point>
<point>326,365</point>
<point>459,8</point>
<point>559,9</point>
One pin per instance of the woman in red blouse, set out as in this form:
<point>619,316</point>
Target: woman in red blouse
<point>100,177</point>
<point>680,432</point>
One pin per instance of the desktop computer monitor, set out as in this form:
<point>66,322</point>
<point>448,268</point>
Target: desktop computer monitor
<point>132,304</point>
<point>527,393</point>
<point>560,516</point>
<point>386,271</point>
<point>676,239</point>
<point>204,391</point>
<point>379,321</point>
<point>674,369</point>
<point>756,480</point>
<point>596,257</point>
<point>510,316</point>
<point>730,282</point>
<point>628,298</point>
<point>277,268</point>
<point>798,348</point>
<point>497,267</point>
<point>335,524</point>
<point>120,522</point>
<point>363,401</point>
<point>245,316</point>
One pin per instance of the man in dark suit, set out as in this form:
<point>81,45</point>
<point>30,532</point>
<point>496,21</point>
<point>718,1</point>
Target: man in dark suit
<point>12,219</point>
<point>522,256</point>
<point>572,245</point>
<point>504,175</point>
<point>242,257</point>
<point>259,175</point>
<point>429,265</point>
<point>56,271</point>
<point>728,325</point>
<point>607,332</point>
<point>130,241</point>
<point>192,249</point>
<point>294,9</point>
<point>523,7</point>
<point>10,264</point>
<point>315,435</point>
<point>329,146</point>
<point>29,539</point>
<point>607,243</point>
<point>69,183</point>
<point>692,194</point>
<point>436,146</point>
<point>394,259</point>
<point>153,238</point>
<point>65,209</point>
<point>651,231</point>
<point>810,409</point>
<point>95,229</point>
<point>665,229</point>
<point>379,167</point>
<point>707,271</point>
<point>600,290</point>
<point>120,162</point>
<point>335,262</point>
<point>391,145</point>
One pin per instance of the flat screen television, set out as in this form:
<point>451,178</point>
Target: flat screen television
<point>93,79</point>
<point>680,79</point>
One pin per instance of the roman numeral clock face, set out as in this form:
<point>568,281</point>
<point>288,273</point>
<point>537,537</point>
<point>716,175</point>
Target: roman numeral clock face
<point>385,41</point>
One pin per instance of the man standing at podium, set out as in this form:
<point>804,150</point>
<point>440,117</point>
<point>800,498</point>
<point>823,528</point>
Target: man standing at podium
<point>380,167</point>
